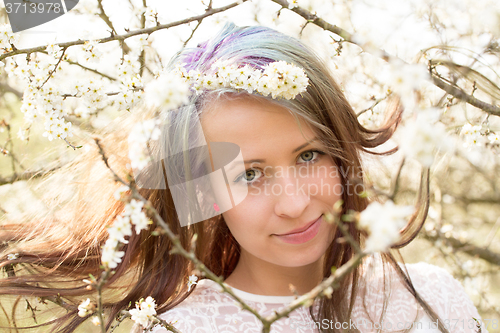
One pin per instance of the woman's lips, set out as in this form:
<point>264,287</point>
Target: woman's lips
<point>303,236</point>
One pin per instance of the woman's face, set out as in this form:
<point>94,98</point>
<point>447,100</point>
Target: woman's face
<point>289,189</point>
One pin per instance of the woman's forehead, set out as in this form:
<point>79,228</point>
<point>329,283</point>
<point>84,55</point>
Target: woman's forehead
<point>246,120</point>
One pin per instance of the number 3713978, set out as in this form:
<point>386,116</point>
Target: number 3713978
<point>471,323</point>
<point>33,8</point>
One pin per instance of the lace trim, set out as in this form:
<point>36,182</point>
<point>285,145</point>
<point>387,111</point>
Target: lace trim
<point>207,283</point>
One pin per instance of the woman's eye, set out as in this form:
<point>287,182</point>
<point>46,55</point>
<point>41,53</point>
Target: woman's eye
<point>253,175</point>
<point>250,176</point>
<point>307,156</point>
<point>311,155</point>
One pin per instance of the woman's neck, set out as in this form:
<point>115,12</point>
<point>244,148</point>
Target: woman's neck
<point>259,277</point>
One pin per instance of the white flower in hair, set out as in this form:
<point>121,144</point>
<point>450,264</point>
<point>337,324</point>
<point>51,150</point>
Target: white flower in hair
<point>278,79</point>
<point>192,281</point>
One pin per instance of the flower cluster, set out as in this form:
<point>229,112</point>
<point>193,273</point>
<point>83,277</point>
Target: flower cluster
<point>475,135</point>
<point>7,38</point>
<point>43,100</point>
<point>472,135</point>
<point>383,222</point>
<point>129,75</point>
<point>92,53</point>
<point>46,102</point>
<point>55,52</point>
<point>168,91</point>
<point>85,308</point>
<point>144,311</point>
<point>278,79</point>
<point>121,228</point>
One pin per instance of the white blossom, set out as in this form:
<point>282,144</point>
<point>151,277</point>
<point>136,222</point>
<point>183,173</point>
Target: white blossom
<point>150,14</point>
<point>122,228</point>
<point>96,321</point>
<point>383,223</point>
<point>91,51</point>
<point>168,91</point>
<point>140,221</point>
<point>494,138</point>
<point>12,256</point>
<point>83,111</point>
<point>192,281</point>
<point>119,192</point>
<point>85,308</point>
<point>77,88</point>
<point>110,256</point>
<point>55,52</point>
<point>472,135</point>
<point>280,79</point>
<point>144,311</point>
<point>7,37</point>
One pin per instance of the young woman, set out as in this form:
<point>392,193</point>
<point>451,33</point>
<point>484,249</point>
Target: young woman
<point>304,156</point>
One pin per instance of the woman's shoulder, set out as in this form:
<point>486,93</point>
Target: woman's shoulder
<point>445,294</point>
<point>439,289</point>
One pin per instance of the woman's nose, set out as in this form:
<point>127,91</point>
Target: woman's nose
<point>291,196</point>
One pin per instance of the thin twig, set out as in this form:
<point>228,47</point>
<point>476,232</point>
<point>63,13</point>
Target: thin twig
<point>91,70</point>
<point>375,103</point>
<point>100,284</point>
<point>331,281</point>
<point>54,70</point>
<point>106,18</point>
<point>192,34</point>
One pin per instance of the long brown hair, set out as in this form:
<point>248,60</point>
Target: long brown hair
<point>56,252</point>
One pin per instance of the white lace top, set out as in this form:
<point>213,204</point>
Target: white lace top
<point>207,310</point>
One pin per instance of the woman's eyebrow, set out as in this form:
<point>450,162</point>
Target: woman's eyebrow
<point>294,151</point>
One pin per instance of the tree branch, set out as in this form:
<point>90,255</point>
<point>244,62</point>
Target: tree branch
<point>6,88</point>
<point>470,249</point>
<point>27,175</point>
<point>460,94</point>
<point>351,38</point>
<point>129,34</point>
